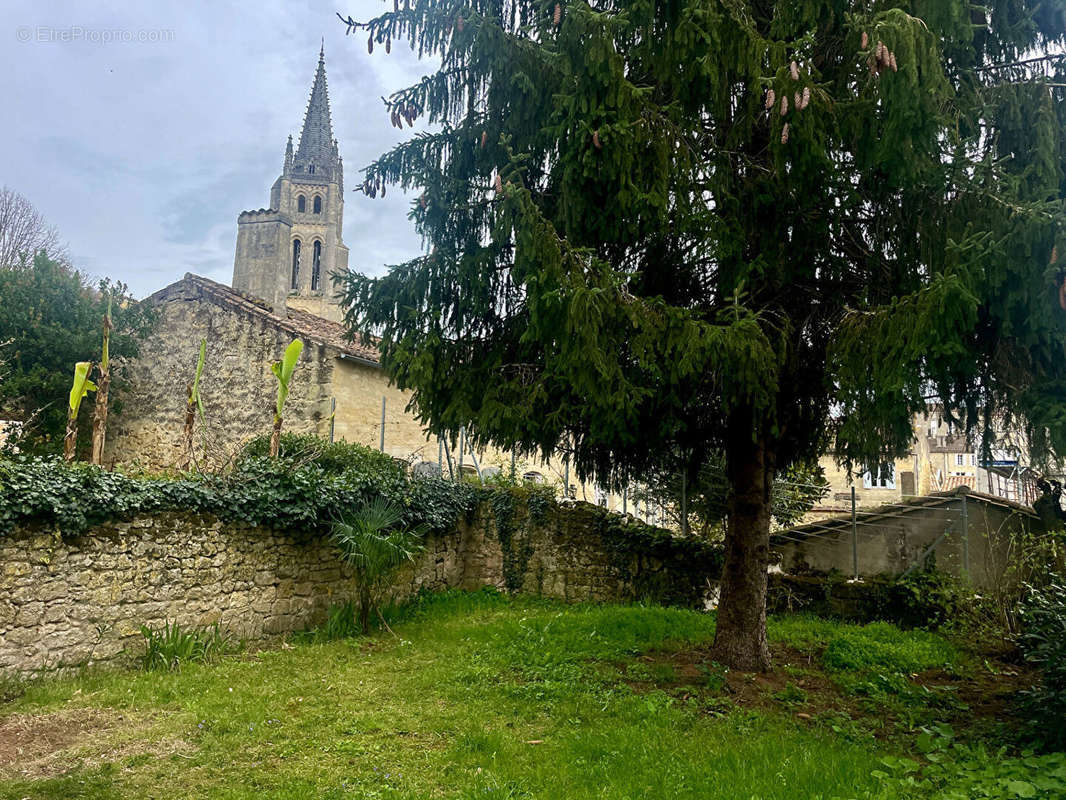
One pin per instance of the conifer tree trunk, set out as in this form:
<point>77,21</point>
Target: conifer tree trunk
<point>740,636</point>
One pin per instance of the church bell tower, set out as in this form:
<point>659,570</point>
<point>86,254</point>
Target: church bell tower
<point>288,253</point>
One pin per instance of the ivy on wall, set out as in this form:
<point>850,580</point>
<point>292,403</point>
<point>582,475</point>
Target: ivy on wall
<point>307,487</point>
<point>516,547</point>
<point>312,483</point>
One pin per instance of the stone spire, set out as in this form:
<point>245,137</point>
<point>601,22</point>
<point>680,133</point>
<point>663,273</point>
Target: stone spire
<point>316,153</point>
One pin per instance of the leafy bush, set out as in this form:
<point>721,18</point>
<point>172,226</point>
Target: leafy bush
<point>956,771</point>
<point>283,493</point>
<point>334,458</point>
<point>172,646</point>
<point>1043,642</point>
<point>926,598</point>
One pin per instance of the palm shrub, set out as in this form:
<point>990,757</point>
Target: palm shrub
<point>375,546</point>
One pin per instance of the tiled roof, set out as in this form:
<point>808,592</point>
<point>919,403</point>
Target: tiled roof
<point>952,482</point>
<point>312,329</point>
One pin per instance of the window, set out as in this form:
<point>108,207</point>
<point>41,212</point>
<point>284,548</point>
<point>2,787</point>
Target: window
<point>533,477</point>
<point>318,204</point>
<point>316,265</point>
<point>973,459</point>
<point>311,169</point>
<point>883,478</point>
<point>295,283</point>
<point>960,459</point>
<point>301,203</point>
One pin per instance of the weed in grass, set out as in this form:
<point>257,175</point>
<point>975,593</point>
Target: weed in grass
<point>714,676</point>
<point>173,646</point>
<point>12,688</point>
<point>881,645</point>
<point>340,624</point>
<point>792,695</point>
<point>663,673</point>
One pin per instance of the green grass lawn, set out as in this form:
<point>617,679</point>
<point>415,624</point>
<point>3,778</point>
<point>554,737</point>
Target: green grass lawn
<point>484,696</point>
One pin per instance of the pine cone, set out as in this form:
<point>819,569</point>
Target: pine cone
<point>784,105</point>
<point>499,184</point>
<point>879,51</point>
<point>771,98</point>
<point>1054,255</point>
<point>558,14</point>
<point>596,140</point>
<point>784,134</point>
<point>797,101</point>
<point>794,70</point>
<point>422,200</point>
<point>484,139</point>
<point>806,96</point>
<point>370,44</point>
<point>388,45</point>
<point>892,61</point>
<point>865,40</point>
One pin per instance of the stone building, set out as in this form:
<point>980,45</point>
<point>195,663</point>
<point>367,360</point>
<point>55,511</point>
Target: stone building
<point>942,459</point>
<point>287,254</point>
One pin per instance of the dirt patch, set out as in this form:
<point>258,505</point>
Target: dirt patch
<point>800,686</point>
<point>25,738</point>
<point>46,745</point>
<point>795,674</point>
<point>991,693</point>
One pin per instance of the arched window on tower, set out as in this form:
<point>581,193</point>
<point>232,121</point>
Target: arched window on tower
<point>295,283</point>
<point>318,204</point>
<point>301,203</point>
<point>311,169</point>
<point>316,265</point>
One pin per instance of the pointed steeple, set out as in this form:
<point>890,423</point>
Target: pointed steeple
<point>315,153</point>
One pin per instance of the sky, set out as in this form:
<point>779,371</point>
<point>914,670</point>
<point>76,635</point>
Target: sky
<point>141,130</point>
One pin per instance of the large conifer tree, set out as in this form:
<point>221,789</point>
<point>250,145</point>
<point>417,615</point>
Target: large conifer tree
<point>657,230</point>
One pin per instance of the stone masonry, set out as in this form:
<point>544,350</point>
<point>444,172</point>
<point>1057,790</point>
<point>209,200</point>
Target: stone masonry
<point>72,601</point>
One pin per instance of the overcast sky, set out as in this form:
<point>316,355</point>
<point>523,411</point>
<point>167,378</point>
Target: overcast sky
<point>143,153</point>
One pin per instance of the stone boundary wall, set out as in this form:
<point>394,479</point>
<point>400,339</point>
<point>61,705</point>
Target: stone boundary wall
<point>71,601</point>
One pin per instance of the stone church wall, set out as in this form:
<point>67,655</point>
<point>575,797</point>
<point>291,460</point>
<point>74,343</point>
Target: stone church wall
<point>237,387</point>
<point>359,389</point>
<point>65,602</point>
